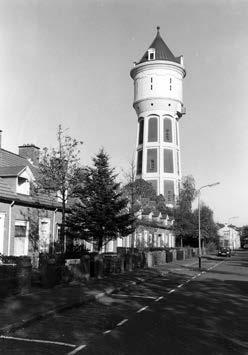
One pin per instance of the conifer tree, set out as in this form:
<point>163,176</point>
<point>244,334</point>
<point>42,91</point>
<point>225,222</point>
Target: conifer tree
<point>100,212</point>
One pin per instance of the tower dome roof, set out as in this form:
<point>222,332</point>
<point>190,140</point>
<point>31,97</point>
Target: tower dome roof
<point>162,52</point>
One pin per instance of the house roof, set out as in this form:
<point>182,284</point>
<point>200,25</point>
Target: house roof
<point>39,200</point>
<point>9,159</point>
<point>162,51</point>
<point>6,171</point>
<point>5,191</point>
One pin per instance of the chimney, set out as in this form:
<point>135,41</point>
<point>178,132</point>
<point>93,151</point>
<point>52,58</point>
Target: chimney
<point>1,138</point>
<point>30,152</point>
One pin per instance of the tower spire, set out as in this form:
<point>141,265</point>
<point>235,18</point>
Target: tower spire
<point>158,28</point>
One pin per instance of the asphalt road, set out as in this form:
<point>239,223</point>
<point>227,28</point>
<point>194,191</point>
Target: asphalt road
<point>181,312</point>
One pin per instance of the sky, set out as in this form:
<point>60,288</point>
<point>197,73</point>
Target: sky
<point>68,62</point>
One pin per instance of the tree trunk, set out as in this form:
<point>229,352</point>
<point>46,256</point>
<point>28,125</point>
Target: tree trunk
<point>63,236</point>
<point>100,242</point>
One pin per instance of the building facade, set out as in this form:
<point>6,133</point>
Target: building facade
<point>158,102</point>
<point>229,237</point>
<point>29,222</point>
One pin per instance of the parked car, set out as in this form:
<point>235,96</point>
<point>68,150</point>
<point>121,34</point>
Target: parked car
<point>224,252</point>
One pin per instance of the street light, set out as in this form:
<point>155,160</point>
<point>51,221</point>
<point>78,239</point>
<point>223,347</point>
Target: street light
<point>199,218</point>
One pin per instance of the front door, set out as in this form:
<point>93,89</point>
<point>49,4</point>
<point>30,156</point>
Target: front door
<point>2,216</point>
<point>44,234</point>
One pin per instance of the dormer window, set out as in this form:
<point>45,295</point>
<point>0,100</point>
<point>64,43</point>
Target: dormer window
<point>23,186</point>
<point>151,54</point>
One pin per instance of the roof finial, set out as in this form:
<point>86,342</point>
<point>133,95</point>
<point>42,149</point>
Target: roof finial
<point>158,28</point>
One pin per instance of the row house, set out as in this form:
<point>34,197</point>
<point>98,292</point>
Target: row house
<point>28,222</point>
<point>154,230</point>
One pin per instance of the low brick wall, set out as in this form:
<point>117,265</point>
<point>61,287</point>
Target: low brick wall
<point>15,278</point>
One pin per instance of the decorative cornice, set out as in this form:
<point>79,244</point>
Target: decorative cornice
<point>157,64</point>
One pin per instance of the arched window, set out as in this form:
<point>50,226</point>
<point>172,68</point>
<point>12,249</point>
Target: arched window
<point>167,130</point>
<point>141,131</point>
<point>139,162</point>
<point>153,129</point>
<point>168,161</point>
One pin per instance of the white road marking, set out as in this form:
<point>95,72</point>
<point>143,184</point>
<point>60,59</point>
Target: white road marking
<point>180,285</point>
<point>38,341</point>
<point>188,281</point>
<point>80,347</point>
<point>135,296</point>
<point>142,309</point>
<point>122,322</point>
<point>199,274</point>
<point>171,291</point>
<point>106,332</point>
<point>159,298</point>
<point>203,272</point>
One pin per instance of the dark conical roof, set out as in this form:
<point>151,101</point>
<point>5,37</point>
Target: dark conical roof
<point>162,52</point>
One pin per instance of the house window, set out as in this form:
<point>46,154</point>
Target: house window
<point>23,186</point>
<point>21,238</point>
<point>141,131</point>
<point>139,162</point>
<point>153,129</point>
<point>169,191</point>
<point>167,130</point>
<point>151,160</point>
<point>168,161</point>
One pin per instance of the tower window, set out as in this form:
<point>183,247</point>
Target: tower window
<point>169,193</point>
<point>153,129</point>
<point>176,133</point>
<point>151,53</point>
<point>167,130</point>
<point>178,166</point>
<point>170,87</point>
<point>151,80</point>
<point>168,161</point>
<point>151,160</point>
<point>154,184</point>
<point>141,131</point>
<point>139,162</point>
<point>151,87</point>
<point>170,80</point>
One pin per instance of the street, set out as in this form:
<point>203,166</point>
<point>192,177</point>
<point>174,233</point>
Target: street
<point>183,311</point>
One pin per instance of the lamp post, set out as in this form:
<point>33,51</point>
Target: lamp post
<point>199,218</point>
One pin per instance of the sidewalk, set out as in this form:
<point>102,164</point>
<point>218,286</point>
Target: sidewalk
<point>18,311</point>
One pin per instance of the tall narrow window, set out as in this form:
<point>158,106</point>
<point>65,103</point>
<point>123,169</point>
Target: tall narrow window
<point>178,164</point>
<point>169,193</point>
<point>141,131</point>
<point>154,184</point>
<point>152,160</point>
<point>176,133</point>
<point>168,161</point>
<point>139,162</point>
<point>153,129</point>
<point>167,130</point>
